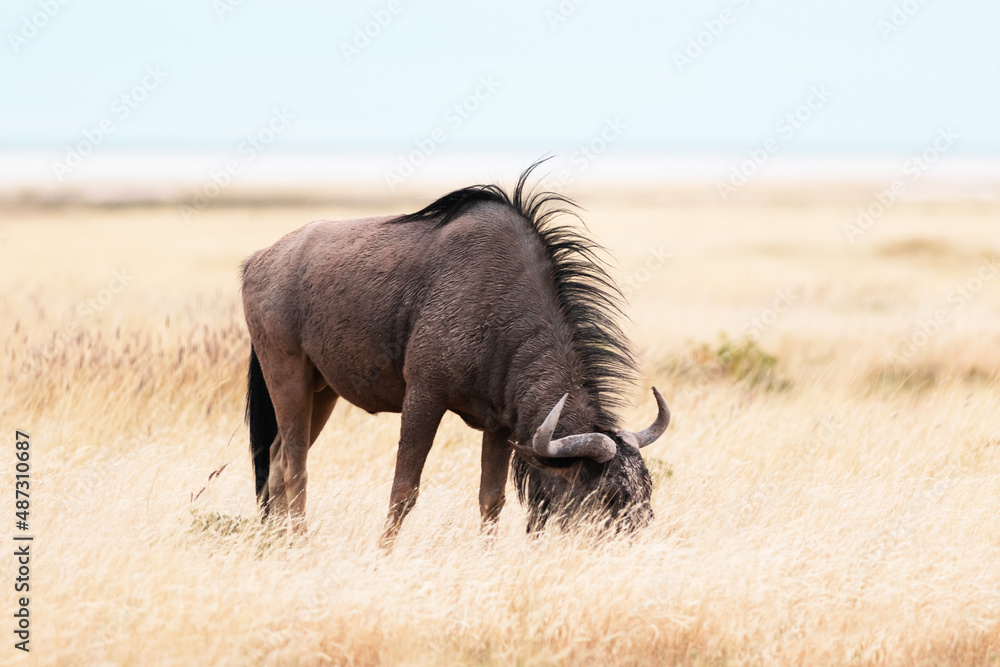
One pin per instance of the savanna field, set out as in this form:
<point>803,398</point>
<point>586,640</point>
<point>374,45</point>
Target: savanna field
<point>828,492</point>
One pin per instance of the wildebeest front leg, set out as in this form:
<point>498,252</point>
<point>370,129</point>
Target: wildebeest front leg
<point>492,484</point>
<point>422,414</point>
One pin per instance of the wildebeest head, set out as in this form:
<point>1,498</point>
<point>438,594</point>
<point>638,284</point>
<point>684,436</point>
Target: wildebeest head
<point>601,475</point>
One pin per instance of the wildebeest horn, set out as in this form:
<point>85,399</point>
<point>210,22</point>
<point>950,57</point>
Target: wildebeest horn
<point>596,446</point>
<point>649,435</point>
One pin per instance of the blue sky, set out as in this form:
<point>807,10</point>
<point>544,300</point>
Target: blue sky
<point>532,76</point>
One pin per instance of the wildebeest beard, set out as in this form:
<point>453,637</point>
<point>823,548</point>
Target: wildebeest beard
<point>614,495</point>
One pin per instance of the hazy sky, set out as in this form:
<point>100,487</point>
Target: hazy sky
<point>874,76</point>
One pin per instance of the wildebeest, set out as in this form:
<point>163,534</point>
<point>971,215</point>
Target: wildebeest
<point>482,303</point>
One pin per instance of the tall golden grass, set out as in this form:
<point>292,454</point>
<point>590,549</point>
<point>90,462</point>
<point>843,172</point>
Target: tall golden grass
<point>822,496</point>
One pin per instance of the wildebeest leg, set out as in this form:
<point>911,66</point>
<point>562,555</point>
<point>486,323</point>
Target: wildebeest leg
<point>290,384</point>
<point>422,412</point>
<point>492,483</point>
<point>277,503</point>
<point>323,402</point>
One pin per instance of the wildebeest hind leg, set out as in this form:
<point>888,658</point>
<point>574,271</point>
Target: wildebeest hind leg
<point>323,402</point>
<point>290,384</point>
<point>277,504</point>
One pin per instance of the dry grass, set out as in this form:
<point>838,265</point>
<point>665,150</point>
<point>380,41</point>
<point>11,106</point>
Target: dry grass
<point>821,497</point>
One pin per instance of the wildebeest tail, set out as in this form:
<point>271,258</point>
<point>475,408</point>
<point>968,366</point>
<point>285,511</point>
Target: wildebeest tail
<point>263,428</point>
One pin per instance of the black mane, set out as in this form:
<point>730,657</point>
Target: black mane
<point>588,297</point>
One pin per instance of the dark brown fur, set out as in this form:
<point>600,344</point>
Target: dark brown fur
<point>480,304</point>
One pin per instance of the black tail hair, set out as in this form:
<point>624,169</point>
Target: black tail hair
<point>263,429</point>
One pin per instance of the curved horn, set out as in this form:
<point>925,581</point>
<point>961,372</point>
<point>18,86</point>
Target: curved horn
<point>649,435</point>
<point>543,434</point>
<point>596,446</point>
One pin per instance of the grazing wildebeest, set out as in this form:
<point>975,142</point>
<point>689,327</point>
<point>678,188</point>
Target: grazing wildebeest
<point>480,303</point>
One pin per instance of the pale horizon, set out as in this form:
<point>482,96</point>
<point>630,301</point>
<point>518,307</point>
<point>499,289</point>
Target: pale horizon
<point>847,78</point>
